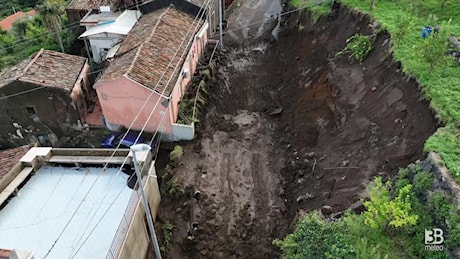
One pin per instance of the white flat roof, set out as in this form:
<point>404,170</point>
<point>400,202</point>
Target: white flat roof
<point>122,25</point>
<point>34,219</point>
<point>100,17</point>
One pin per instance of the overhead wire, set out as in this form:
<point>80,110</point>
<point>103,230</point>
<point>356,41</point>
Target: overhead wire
<point>4,47</point>
<point>63,27</point>
<point>155,133</point>
<point>161,121</point>
<point>235,29</point>
<point>232,30</point>
<point>92,186</point>
<point>106,165</point>
<point>41,87</point>
<point>202,11</point>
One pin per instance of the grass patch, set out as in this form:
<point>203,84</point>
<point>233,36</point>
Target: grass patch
<point>319,8</point>
<point>446,141</point>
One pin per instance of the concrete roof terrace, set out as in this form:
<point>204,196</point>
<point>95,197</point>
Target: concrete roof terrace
<point>61,203</point>
<point>43,209</point>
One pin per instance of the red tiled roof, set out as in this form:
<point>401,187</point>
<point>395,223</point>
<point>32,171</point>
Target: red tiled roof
<point>47,68</point>
<point>146,53</point>
<point>7,23</point>
<point>10,157</point>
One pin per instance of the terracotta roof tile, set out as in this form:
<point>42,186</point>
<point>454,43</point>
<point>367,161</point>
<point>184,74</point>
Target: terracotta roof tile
<point>14,72</point>
<point>7,23</point>
<point>87,4</point>
<point>10,157</point>
<point>147,51</point>
<point>47,68</point>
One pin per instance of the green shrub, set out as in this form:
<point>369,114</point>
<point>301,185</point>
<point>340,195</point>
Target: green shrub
<point>314,237</point>
<point>167,231</point>
<point>368,242</point>
<point>443,208</point>
<point>403,26</point>
<point>207,76</point>
<point>358,47</point>
<point>382,211</point>
<point>432,50</point>
<point>176,153</point>
<point>445,216</point>
<point>170,187</point>
<point>422,181</point>
<point>175,191</point>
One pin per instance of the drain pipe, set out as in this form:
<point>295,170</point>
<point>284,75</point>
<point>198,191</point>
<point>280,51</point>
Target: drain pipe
<point>220,25</point>
<point>144,148</point>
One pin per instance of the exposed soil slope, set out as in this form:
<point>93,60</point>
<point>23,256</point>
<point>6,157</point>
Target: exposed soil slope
<point>289,127</point>
<point>360,119</point>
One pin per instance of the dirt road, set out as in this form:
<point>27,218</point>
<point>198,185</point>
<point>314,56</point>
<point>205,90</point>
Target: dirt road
<point>291,127</point>
<point>239,207</point>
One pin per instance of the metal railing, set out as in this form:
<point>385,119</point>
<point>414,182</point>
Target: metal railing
<point>120,235</point>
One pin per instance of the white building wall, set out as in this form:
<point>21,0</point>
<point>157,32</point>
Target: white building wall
<point>100,42</point>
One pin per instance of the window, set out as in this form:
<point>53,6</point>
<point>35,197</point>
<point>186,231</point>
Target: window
<point>30,111</point>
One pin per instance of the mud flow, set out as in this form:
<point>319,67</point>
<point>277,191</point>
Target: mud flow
<point>289,128</point>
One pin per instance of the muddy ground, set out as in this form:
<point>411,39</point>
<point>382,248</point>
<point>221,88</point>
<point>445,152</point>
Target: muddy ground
<point>289,128</point>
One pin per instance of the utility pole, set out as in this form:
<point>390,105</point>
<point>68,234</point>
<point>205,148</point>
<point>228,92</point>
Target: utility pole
<point>220,25</point>
<point>144,148</point>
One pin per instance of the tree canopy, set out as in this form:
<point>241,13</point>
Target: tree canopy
<point>45,30</point>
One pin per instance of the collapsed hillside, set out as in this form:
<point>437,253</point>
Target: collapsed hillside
<point>292,127</point>
<point>362,120</point>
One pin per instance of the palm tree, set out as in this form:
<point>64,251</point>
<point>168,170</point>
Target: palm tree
<point>51,11</point>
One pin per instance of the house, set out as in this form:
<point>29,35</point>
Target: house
<point>8,22</point>
<point>62,203</point>
<point>44,98</point>
<point>106,29</point>
<point>151,71</point>
<point>210,8</point>
<point>77,9</point>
